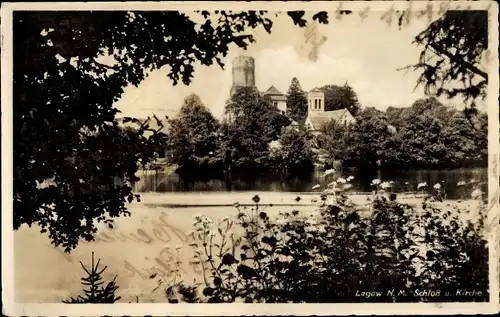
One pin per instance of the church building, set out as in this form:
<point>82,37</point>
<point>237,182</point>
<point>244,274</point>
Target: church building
<point>243,75</point>
<point>317,117</point>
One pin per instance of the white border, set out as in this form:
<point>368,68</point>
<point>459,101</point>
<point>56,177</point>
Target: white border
<point>493,157</point>
<point>7,166</point>
<point>16,309</point>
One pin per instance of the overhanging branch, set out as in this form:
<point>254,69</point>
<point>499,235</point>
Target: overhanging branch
<point>460,61</point>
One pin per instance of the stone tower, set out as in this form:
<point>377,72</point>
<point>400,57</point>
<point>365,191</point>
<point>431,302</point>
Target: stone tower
<point>243,72</point>
<point>316,101</point>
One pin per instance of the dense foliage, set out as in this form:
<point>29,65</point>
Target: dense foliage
<point>337,256</point>
<point>292,151</point>
<point>254,123</point>
<point>427,134</point>
<point>69,70</point>
<point>387,251</point>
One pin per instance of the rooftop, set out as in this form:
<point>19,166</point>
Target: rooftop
<point>320,118</point>
<point>277,97</point>
<point>316,90</point>
<point>273,91</point>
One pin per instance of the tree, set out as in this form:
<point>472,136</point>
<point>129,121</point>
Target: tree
<point>65,125</point>
<point>242,101</point>
<point>424,142</point>
<point>368,140</point>
<point>438,135</point>
<point>296,102</point>
<point>341,97</point>
<point>94,291</point>
<point>430,106</point>
<point>466,143</point>
<point>394,116</point>
<point>291,152</point>
<point>254,124</point>
<point>453,48</point>
<point>192,135</point>
<point>333,141</point>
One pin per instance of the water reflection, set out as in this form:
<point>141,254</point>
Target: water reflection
<point>403,181</point>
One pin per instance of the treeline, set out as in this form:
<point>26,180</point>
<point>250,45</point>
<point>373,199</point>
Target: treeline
<point>425,135</point>
<point>255,137</point>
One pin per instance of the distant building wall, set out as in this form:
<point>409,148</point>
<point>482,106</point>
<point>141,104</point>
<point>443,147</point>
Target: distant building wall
<point>348,118</point>
<point>279,102</point>
<point>281,105</point>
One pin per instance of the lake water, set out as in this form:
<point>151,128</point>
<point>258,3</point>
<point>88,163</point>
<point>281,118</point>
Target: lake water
<point>404,181</point>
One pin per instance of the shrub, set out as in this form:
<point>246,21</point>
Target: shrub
<point>338,255</point>
<point>386,252</point>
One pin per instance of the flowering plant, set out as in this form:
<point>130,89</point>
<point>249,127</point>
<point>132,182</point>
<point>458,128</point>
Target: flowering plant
<point>332,254</point>
<point>342,248</point>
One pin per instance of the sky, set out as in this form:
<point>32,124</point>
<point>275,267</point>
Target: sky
<point>365,53</point>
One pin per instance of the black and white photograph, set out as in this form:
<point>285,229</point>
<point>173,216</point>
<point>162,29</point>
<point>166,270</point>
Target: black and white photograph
<point>250,153</point>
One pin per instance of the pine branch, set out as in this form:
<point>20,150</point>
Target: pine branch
<point>93,289</point>
<point>459,61</point>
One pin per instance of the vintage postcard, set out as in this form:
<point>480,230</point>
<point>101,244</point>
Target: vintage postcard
<point>219,158</point>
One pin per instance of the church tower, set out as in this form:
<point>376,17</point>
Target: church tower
<point>316,101</point>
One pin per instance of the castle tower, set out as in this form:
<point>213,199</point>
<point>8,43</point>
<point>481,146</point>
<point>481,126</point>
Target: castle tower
<point>316,101</point>
<point>243,72</point>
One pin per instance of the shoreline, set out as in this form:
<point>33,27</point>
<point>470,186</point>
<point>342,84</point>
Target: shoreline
<point>220,204</point>
<point>243,198</point>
